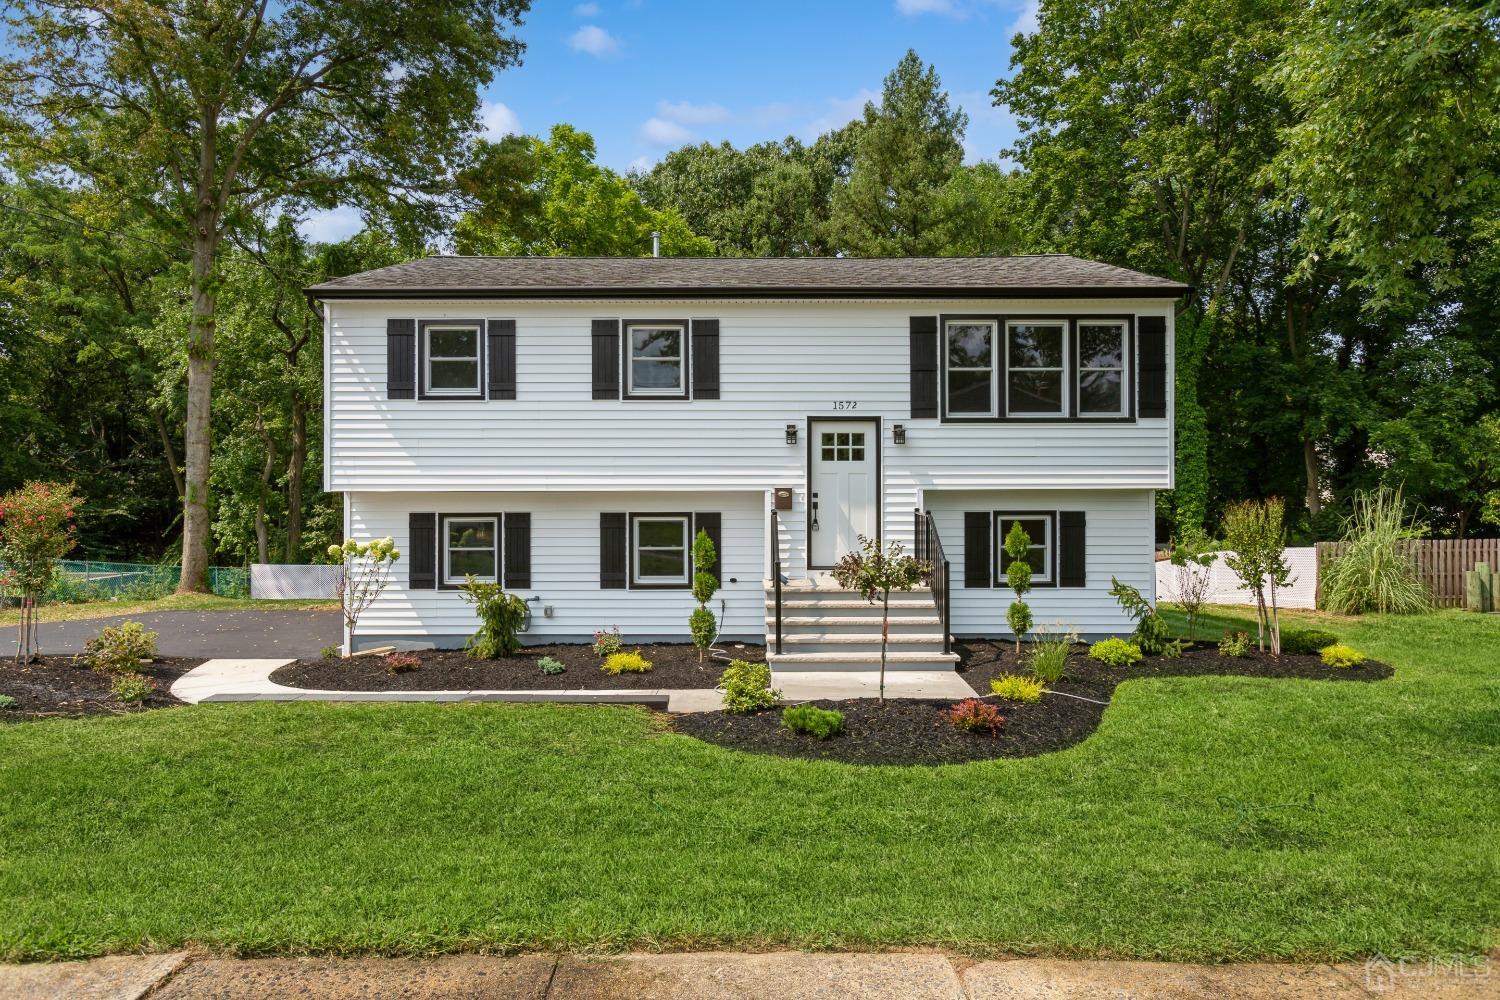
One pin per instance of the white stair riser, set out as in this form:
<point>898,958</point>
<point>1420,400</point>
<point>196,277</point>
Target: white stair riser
<point>936,661</point>
<point>792,646</point>
<point>847,610</point>
<point>857,627</point>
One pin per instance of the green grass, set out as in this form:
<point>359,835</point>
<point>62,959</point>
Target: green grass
<point>173,602</point>
<point>1180,830</point>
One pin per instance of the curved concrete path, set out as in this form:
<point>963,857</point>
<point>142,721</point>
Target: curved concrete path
<point>250,680</point>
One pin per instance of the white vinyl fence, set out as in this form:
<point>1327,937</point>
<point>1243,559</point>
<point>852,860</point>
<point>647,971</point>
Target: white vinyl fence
<point>1224,587</point>
<point>270,581</point>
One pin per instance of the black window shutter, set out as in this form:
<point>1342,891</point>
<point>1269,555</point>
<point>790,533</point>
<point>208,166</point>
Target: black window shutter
<point>612,551</point>
<point>517,551</point>
<point>1152,334</point>
<point>1072,557</point>
<point>712,523</point>
<point>401,359</point>
<point>705,359</point>
<point>606,359</point>
<point>502,345</point>
<point>421,552</point>
<point>977,548</point>
<point>924,366</point>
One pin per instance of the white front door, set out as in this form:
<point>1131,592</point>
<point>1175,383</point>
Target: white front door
<point>845,474</point>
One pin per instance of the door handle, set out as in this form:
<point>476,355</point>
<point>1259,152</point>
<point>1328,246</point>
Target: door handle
<point>815,512</point>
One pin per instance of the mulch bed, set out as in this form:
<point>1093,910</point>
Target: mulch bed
<point>916,732</point>
<point>674,665</point>
<point>62,687</point>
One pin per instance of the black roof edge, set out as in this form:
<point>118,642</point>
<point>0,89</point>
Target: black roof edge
<point>1049,292</point>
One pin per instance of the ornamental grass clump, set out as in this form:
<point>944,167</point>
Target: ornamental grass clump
<point>1374,569</point>
<point>823,723</point>
<point>1014,687</point>
<point>616,664</point>
<point>1115,652</point>
<point>972,716</point>
<point>1049,655</point>
<point>1342,657</point>
<point>747,687</point>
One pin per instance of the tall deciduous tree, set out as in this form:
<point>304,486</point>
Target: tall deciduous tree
<point>201,112</point>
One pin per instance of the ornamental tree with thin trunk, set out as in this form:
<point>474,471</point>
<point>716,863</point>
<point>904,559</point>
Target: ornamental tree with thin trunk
<point>202,113</point>
<point>36,530</point>
<point>364,571</point>
<point>874,574</point>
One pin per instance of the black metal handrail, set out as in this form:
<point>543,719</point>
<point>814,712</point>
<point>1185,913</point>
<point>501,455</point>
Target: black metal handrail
<point>930,551</point>
<point>776,571</point>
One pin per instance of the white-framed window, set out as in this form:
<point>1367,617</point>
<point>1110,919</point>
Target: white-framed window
<point>659,550</point>
<point>969,352</point>
<point>471,547</point>
<point>1103,357</point>
<point>1037,353</point>
<point>1039,527</point>
<point>450,353</point>
<point>657,361</point>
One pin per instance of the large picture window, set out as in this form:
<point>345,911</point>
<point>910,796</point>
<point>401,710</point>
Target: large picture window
<point>970,354</point>
<point>1040,529</point>
<point>471,547</point>
<point>1102,357</point>
<point>657,364</point>
<point>1036,362</point>
<point>451,359</point>
<point>659,555</point>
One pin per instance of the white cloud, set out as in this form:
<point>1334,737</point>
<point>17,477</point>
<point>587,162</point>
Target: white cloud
<point>499,121</point>
<point>331,225</point>
<point>839,112</point>
<point>912,8</point>
<point>664,133</point>
<point>1025,22</point>
<point>640,165</point>
<point>688,113</point>
<point>594,40</point>
<point>586,10</point>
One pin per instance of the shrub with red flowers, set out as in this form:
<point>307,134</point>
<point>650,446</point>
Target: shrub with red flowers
<point>972,715</point>
<point>36,530</point>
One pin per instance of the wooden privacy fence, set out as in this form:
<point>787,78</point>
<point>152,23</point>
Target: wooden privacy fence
<point>1441,561</point>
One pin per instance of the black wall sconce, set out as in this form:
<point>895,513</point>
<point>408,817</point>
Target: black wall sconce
<point>898,433</point>
<point>791,433</point>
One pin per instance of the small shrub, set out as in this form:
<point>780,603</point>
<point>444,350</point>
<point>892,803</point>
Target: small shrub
<point>500,618</point>
<point>131,687</point>
<point>548,665</point>
<point>616,664</point>
<point>1152,633</point>
<point>1307,641</point>
<point>972,715</point>
<point>747,687</point>
<point>1115,652</point>
<point>1049,655</point>
<point>401,661</point>
<point>119,649</point>
<point>814,721</point>
<point>6,702</point>
<point>607,643</point>
<point>1341,656</point>
<point>704,628</point>
<point>1235,644</point>
<point>1013,687</point>
<point>330,652</point>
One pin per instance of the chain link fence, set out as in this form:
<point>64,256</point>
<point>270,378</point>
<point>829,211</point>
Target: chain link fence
<point>81,580</point>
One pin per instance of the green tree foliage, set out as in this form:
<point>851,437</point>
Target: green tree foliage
<point>536,197</point>
<point>1255,533</point>
<point>873,573</point>
<point>1017,545</point>
<point>702,623</point>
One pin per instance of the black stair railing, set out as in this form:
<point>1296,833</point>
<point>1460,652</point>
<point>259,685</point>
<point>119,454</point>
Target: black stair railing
<point>930,551</point>
<point>776,571</point>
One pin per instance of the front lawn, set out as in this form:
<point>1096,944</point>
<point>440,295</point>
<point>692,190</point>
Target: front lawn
<point>1207,818</point>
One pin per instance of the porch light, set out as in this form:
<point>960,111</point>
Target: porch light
<point>791,433</point>
<point>898,433</point>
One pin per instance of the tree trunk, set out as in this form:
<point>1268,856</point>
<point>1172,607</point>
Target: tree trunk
<point>1310,465</point>
<point>196,429</point>
<point>168,452</point>
<point>295,464</point>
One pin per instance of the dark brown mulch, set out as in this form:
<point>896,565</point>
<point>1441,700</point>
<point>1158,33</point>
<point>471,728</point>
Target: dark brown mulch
<point>674,665</point>
<point>917,732</point>
<point>60,686</point>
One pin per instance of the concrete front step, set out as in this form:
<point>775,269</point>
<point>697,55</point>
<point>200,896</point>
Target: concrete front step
<point>861,661</point>
<point>854,626</point>
<point>848,609</point>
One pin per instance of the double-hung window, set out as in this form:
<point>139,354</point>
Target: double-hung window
<point>1037,361</point>
<point>659,550</point>
<point>656,364</point>
<point>1038,528</point>
<point>450,360</point>
<point>1102,357</point>
<point>471,547</point>
<point>969,346</point>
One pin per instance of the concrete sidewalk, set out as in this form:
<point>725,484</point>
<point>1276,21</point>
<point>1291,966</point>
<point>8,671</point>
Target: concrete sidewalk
<point>729,976</point>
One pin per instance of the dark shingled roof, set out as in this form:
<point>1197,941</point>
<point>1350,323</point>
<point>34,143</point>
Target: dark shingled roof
<point>1042,275</point>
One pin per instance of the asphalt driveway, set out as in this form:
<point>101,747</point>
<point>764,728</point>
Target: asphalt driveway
<point>259,634</point>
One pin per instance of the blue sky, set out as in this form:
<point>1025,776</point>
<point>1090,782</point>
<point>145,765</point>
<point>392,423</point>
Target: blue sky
<point>646,76</point>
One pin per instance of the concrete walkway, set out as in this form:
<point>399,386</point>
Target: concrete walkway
<point>836,685</point>
<point>731,976</point>
<point>250,680</point>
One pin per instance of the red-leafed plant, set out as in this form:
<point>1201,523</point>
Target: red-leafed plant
<point>972,715</point>
<point>36,530</point>
<point>401,661</point>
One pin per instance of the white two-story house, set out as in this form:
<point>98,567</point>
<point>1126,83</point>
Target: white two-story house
<point>566,425</point>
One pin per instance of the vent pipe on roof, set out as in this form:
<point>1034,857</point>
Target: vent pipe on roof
<point>655,243</point>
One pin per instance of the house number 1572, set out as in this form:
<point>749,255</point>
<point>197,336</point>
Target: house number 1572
<point>846,404</point>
